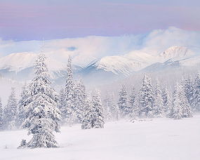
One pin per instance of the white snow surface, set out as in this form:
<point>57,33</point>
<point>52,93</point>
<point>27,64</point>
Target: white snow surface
<point>157,139</point>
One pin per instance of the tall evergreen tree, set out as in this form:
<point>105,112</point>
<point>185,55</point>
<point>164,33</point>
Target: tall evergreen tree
<point>80,98</point>
<point>10,111</point>
<point>146,98</point>
<point>21,106</point>
<point>181,107</point>
<point>111,109</point>
<point>186,108</point>
<point>62,104</point>
<point>87,118</point>
<point>189,88</point>
<point>176,111</point>
<point>42,114</point>
<point>136,109</point>
<point>107,108</point>
<point>70,95</point>
<point>196,98</point>
<point>98,118</point>
<point>132,97</point>
<point>114,109</point>
<point>133,104</point>
<point>167,102</point>
<point>125,109</point>
<point>1,115</point>
<point>158,103</point>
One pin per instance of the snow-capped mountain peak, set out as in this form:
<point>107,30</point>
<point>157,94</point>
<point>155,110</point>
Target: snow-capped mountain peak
<point>20,61</point>
<point>176,53</point>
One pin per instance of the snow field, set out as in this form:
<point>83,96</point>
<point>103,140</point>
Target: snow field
<point>157,139</point>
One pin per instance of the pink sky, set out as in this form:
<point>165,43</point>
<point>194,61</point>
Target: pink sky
<point>64,19</point>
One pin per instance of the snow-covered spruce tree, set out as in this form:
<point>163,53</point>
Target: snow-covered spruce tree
<point>158,103</point>
<point>114,108</point>
<point>10,112</point>
<point>107,108</point>
<point>176,111</point>
<point>80,97</point>
<point>1,115</point>
<point>87,118</point>
<point>133,104</point>
<point>186,108</point>
<point>146,98</point>
<point>189,88</point>
<point>181,107</point>
<point>136,109</point>
<point>23,102</point>
<point>111,109</point>
<point>167,102</point>
<point>196,98</point>
<point>69,112</point>
<point>42,114</point>
<point>132,97</point>
<point>62,104</point>
<point>97,117</point>
<point>125,109</point>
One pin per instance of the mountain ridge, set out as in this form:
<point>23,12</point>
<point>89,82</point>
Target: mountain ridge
<point>22,64</point>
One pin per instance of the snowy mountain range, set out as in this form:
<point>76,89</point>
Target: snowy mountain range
<point>20,65</point>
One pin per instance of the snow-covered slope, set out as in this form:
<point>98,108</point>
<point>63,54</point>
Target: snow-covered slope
<point>17,61</point>
<point>160,139</point>
<point>120,65</point>
<point>125,64</point>
<point>20,61</point>
<point>137,60</point>
<point>176,53</point>
<point>117,65</point>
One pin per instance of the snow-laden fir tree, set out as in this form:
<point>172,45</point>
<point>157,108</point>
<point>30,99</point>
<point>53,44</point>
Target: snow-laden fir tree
<point>167,102</point>
<point>114,108</point>
<point>87,118</point>
<point>176,110</point>
<point>196,98</point>
<point>1,115</point>
<point>186,108</point>
<point>111,109</point>
<point>107,108</point>
<point>136,109</point>
<point>132,97</point>
<point>189,88</point>
<point>125,109</point>
<point>23,102</point>
<point>158,103</point>
<point>181,107</point>
<point>70,95</point>
<point>133,104</point>
<point>10,111</point>
<point>146,98</point>
<point>62,104</point>
<point>42,114</point>
<point>98,118</point>
<point>80,97</point>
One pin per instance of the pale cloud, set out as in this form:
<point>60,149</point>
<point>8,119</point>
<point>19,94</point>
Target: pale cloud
<point>159,40</point>
<point>88,49</point>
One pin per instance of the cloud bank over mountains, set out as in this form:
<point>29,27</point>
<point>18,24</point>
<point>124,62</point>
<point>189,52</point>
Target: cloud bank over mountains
<point>86,50</point>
